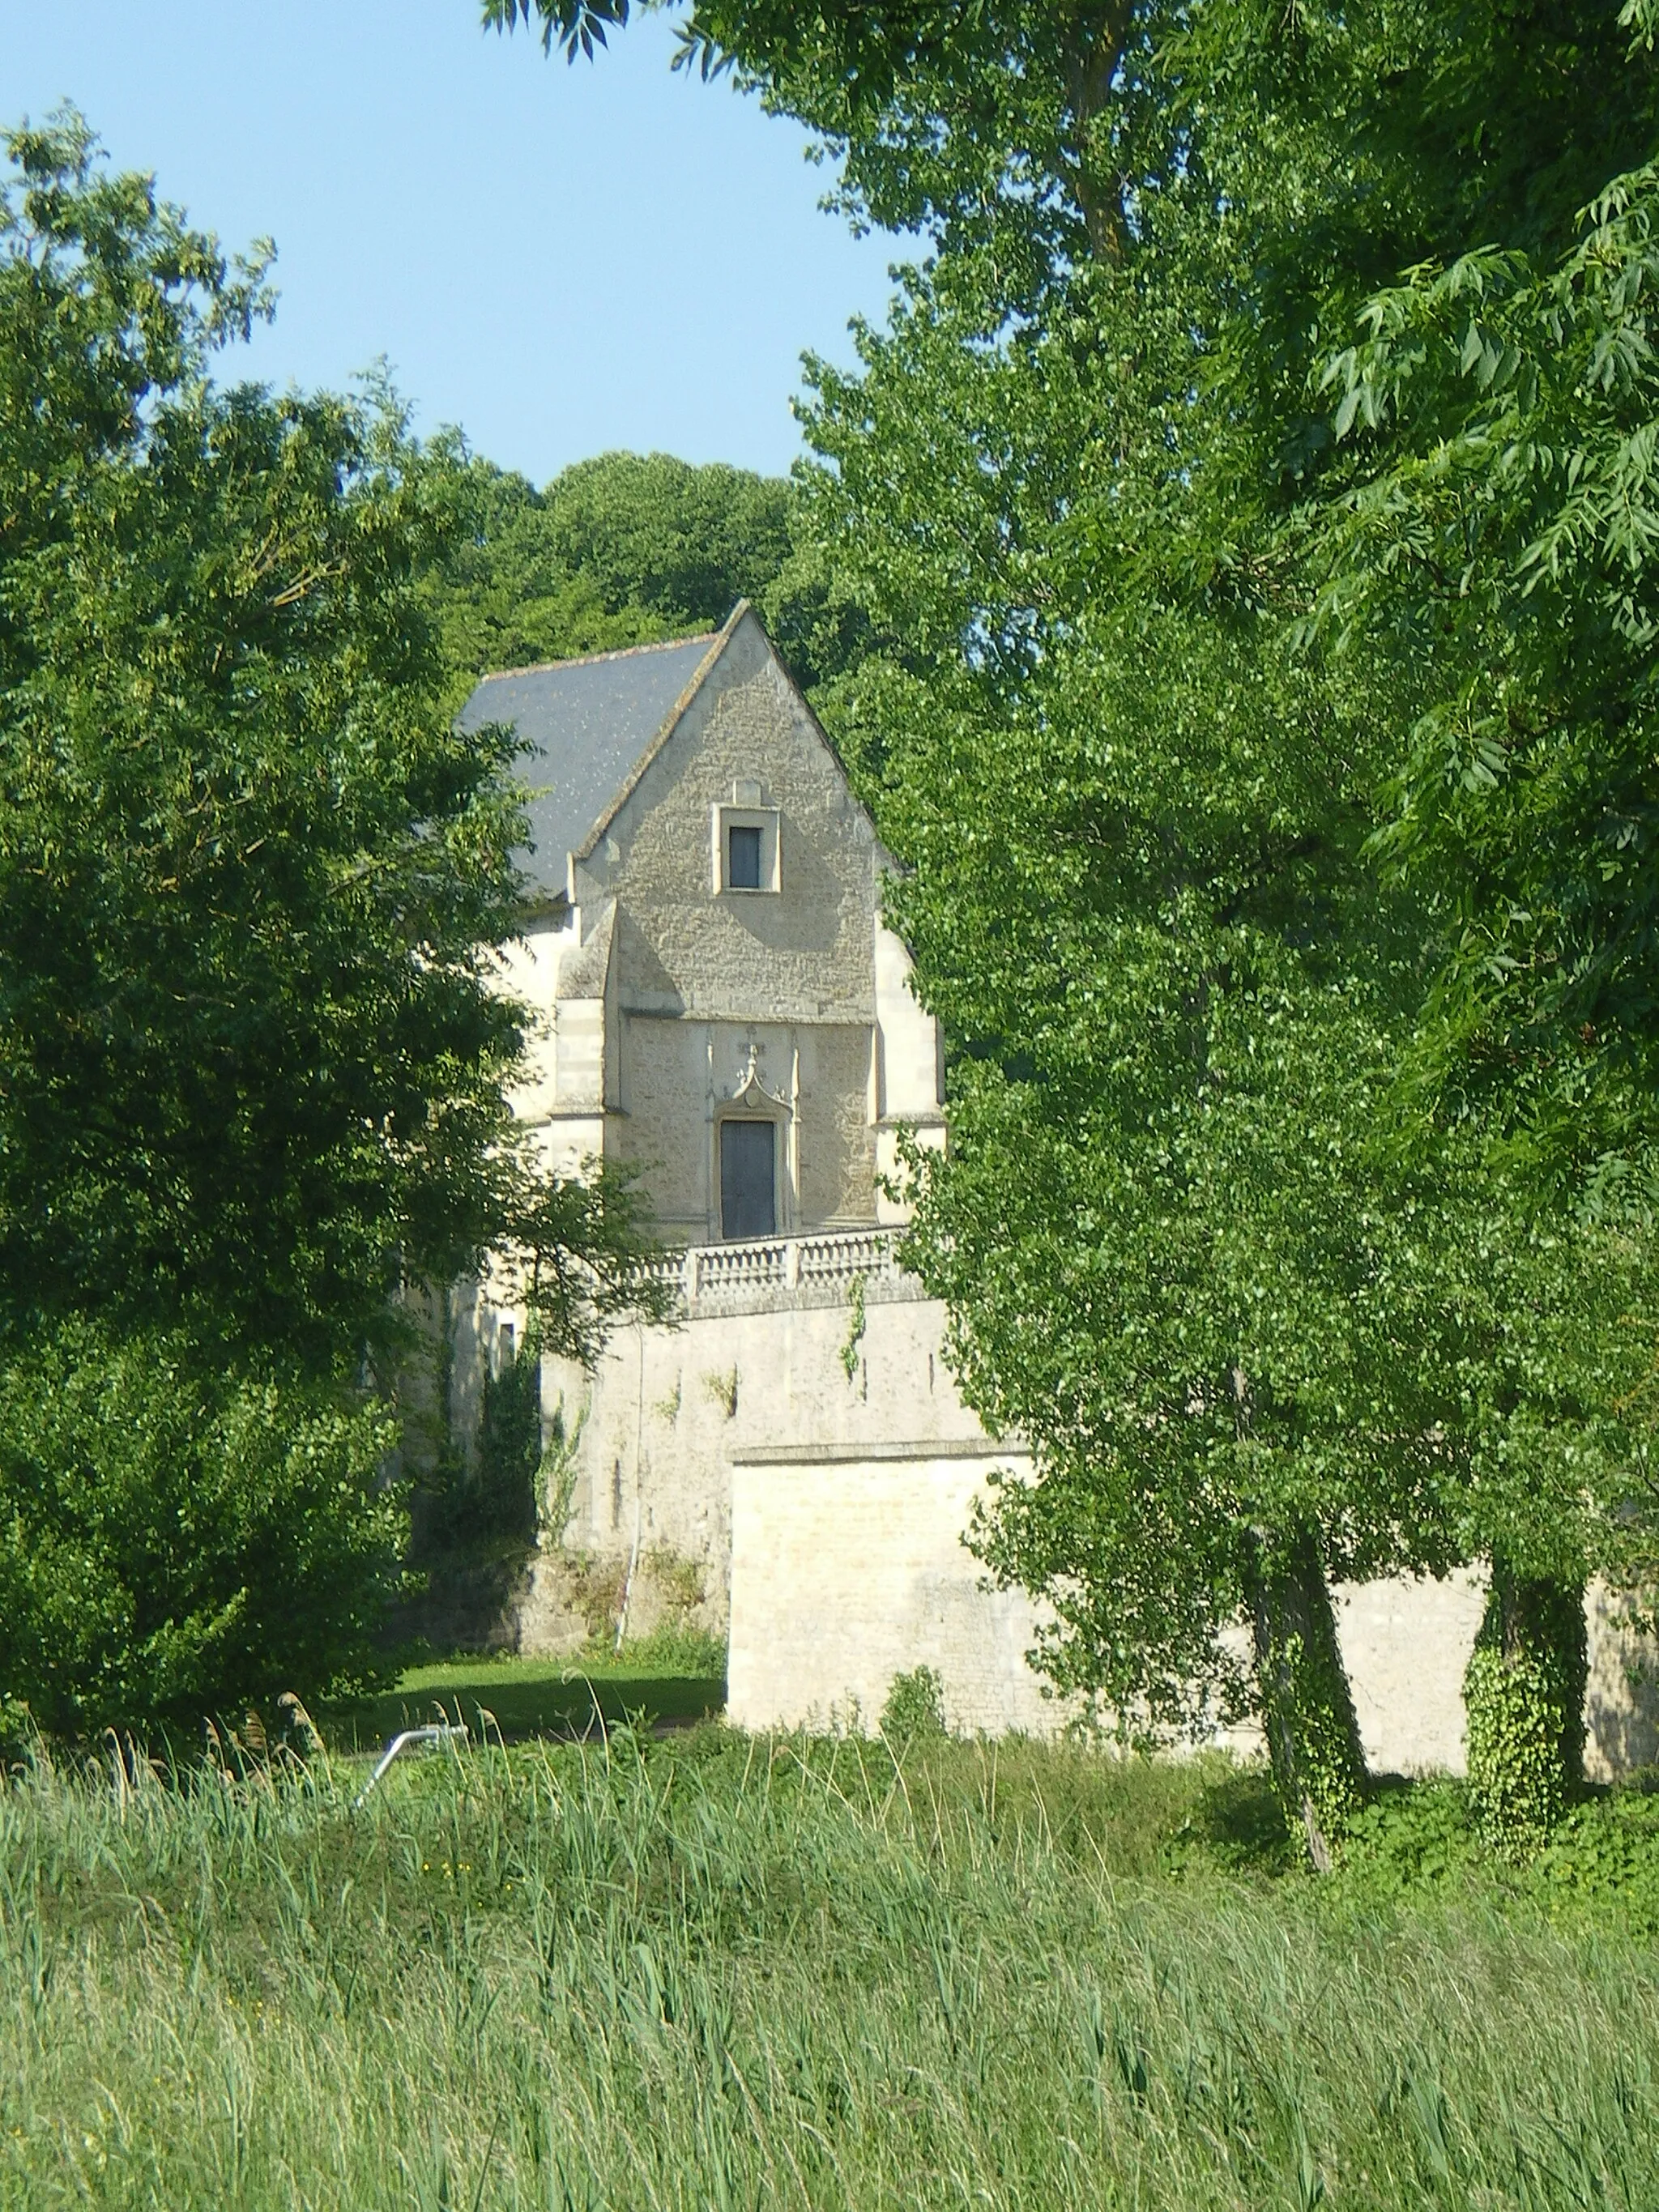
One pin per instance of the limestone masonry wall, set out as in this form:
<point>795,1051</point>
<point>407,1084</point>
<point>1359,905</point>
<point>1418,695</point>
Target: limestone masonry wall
<point>660,1426</point>
<point>802,956</point>
<point>801,1487</point>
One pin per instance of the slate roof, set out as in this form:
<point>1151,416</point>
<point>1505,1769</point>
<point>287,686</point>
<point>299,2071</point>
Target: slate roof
<point>590,724</point>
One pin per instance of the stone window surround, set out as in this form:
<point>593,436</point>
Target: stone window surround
<point>751,1100</point>
<point>738,1119</point>
<point>786,1196</point>
<point>740,814</point>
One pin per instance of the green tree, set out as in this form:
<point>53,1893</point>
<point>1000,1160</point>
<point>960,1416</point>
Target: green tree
<point>653,531</point>
<point>1076,491</point>
<point>1250,1347</point>
<point>1485,526</point>
<point>248,875</point>
<point>1500,410</point>
<point>1217,471</point>
<point>622,549</point>
<point>499,596</point>
<point>1499,407</point>
<point>253,1054</point>
<point>178,1538</point>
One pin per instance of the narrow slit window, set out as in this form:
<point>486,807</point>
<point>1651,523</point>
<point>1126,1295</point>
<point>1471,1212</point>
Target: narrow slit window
<point>743,858</point>
<point>748,1179</point>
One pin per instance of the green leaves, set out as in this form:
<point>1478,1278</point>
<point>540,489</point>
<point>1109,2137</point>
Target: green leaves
<point>619,550</point>
<point>1247,510</point>
<point>175,1538</point>
<point>255,1050</point>
<point>1206,1239</point>
<point>577,26</point>
<point>1509,512</point>
<point>247,872</point>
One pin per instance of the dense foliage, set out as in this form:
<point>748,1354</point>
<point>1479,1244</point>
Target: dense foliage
<point>1261,716</point>
<point>1501,410</point>
<point>177,1538</point>
<point>620,550</point>
<point>248,875</point>
<point>253,1054</point>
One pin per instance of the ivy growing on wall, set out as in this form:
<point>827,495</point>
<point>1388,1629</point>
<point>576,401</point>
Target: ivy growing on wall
<point>487,1505</point>
<point>559,1468</point>
<point>855,1326</point>
<point>506,1501</point>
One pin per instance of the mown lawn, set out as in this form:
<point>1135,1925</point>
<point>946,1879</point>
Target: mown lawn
<point>510,1698</point>
<point>716,1970</point>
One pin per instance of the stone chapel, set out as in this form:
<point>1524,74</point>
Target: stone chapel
<point>720,1004</point>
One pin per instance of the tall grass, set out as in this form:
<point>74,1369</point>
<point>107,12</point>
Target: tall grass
<point>736,1973</point>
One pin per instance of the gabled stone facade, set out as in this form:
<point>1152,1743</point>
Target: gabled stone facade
<point>703,951</point>
<point>672,999</point>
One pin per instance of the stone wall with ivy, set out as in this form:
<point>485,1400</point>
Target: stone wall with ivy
<point>834,1424</point>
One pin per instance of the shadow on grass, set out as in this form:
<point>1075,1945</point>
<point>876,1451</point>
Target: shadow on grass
<point>522,1703</point>
<point>1236,1824</point>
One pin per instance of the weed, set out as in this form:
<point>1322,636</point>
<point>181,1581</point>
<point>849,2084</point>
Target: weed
<point>916,1707</point>
<point>856,1321</point>
<point>722,1388</point>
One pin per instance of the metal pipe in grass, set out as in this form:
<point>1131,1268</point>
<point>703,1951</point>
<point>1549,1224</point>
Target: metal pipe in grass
<point>438,1732</point>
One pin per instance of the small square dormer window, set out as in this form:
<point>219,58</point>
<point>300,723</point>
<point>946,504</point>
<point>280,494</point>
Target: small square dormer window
<point>745,843</point>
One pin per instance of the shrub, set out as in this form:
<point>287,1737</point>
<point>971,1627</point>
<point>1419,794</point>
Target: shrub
<point>175,1537</point>
<point>1603,1859</point>
<point>1412,1836</point>
<point>914,1707</point>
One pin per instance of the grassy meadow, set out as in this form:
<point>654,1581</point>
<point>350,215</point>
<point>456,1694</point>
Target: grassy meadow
<point>717,1971</point>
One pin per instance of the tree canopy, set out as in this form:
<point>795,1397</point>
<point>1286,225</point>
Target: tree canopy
<point>622,550</point>
<point>1500,407</point>
<point>1246,510</point>
<point>249,874</point>
<point>254,1051</point>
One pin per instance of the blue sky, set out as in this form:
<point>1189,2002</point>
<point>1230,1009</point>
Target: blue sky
<point>560,259</point>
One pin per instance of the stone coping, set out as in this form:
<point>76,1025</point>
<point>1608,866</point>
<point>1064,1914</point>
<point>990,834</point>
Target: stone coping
<point>849,1455</point>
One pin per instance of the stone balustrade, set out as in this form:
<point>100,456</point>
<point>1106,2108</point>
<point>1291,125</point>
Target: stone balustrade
<point>772,1271</point>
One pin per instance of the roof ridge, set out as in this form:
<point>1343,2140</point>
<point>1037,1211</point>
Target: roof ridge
<point>591,659</point>
<point>717,642</point>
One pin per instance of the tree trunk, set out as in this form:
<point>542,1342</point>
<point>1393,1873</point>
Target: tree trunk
<point>1091,47</point>
<point>1307,1712</point>
<point>1523,1694</point>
